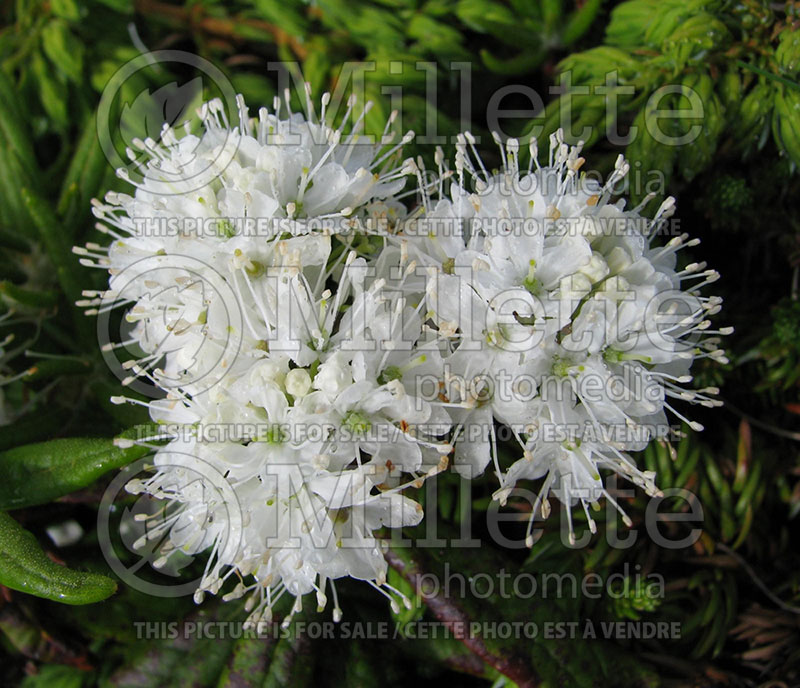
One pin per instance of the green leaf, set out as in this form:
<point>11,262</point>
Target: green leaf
<point>436,36</point>
<point>63,49</point>
<point>693,40</point>
<point>39,473</point>
<point>84,177</point>
<point>551,14</point>
<point>786,123</point>
<point>629,22</point>
<point>53,92</point>
<point>55,242</point>
<point>26,299</point>
<point>14,128</point>
<point>580,21</point>
<point>288,16</point>
<point>697,156</point>
<point>316,67</point>
<point>13,213</point>
<point>525,8</point>
<point>591,66</point>
<point>25,567</point>
<point>788,51</point>
<point>527,60</point>
<point>66,9</point>
<point>495,19</point>
<point>729,87</point>
<point>32,427</point>
<point>751,127</point>
<point>652,155</point>
<point>670,18</point>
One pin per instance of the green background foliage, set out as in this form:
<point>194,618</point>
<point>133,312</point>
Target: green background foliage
<point>734,592</point>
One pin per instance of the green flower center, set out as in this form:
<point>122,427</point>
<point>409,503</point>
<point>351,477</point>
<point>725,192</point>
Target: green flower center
<point>356,422</point>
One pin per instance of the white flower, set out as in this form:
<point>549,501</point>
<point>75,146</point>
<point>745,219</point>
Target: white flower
<point>525,297</point>
<point>558,315</point>
<point>191,257</point>
<point>281,354</point>
<point>298,382</point>
<point>305,481</point>
<point>336,429</point>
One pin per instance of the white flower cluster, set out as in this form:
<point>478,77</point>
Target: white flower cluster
<point>559,320</point>
<point>366,353</point>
